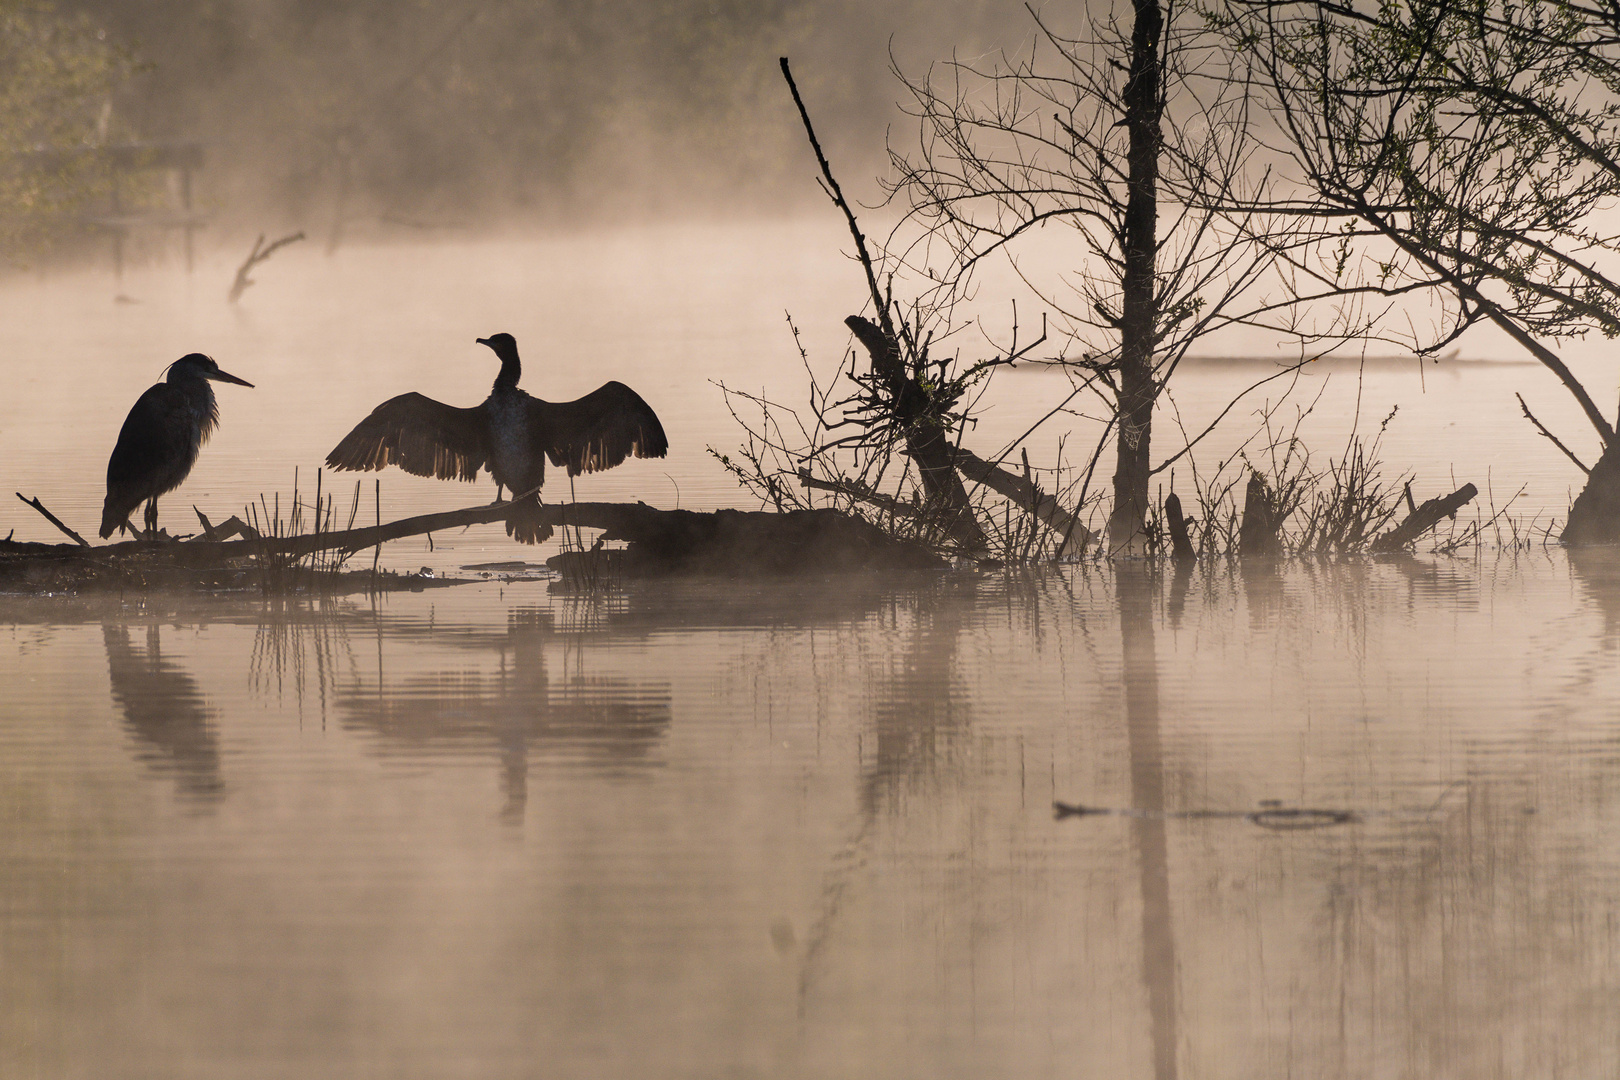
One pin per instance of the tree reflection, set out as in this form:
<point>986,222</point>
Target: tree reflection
<point>1137,589</point>
<point>1598,569</point>
<point>919,709</point>
<point>165,711</point>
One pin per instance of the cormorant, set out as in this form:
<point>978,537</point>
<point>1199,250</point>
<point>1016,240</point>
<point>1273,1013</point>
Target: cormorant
<point>158,443</point>
<point>511,434</point>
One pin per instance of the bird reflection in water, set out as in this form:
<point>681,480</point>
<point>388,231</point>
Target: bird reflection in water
<point>604,723</point>
<point>164,710</point>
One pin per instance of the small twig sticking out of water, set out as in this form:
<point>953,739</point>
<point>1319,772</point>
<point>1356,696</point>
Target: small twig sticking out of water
<point>54,520</point>
<point>256,256</point>
<point>1271,815</point>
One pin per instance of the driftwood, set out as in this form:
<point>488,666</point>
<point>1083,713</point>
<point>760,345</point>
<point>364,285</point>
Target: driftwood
<point>54,520</point>
<point>1181,547</point>
<point>1023,492</point>
<point>255,257</point>
<point>1424,518</point>
<point>854,489</point>
<point>728,543</point>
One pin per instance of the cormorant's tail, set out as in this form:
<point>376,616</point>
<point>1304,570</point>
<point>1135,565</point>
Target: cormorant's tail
<point>525,525</point>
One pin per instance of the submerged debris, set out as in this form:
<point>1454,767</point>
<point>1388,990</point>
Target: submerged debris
<point>1271,815</point>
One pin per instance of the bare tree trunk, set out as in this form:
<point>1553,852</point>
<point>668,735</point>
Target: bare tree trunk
<point>927,440</point>
<point>1257,532</point>
<point>1594,517</point>
<point>1139,303</point>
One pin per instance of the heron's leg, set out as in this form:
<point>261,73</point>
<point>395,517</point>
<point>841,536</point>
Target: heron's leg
<point>151,519</point>
<point>499,487</point>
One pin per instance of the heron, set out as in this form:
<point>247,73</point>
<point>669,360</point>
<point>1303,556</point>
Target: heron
<point>158,444</point>
<point>511,434</point>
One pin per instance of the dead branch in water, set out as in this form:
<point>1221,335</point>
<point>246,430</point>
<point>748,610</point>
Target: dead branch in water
<point>52,518</point>
<point>1528,415</point>
<point>1423,519</point>
<point>255,257</point>
<point>1024,493</point>
<point>860,492</point>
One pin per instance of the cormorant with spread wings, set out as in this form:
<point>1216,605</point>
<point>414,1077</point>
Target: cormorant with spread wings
<point>511,434</point>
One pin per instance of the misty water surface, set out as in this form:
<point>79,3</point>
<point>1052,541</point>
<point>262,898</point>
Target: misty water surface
<point>793,829</point>
<point>807,829</point>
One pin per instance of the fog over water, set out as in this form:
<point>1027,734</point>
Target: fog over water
<point>1327,817</point>
<point>670,310</point>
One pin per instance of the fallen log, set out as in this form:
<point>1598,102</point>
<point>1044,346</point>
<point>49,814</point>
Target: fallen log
<point>744,543</point>
<point>1423,519</point>
<point>858,491</point>
<point>729,543</point>
<point>1024,493</point>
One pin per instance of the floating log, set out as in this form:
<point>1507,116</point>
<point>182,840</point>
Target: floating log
<point>1423,519</point>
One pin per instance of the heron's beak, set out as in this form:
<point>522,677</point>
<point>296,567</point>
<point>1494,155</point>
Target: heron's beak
<point>226,377</point>
<point>481,341</point>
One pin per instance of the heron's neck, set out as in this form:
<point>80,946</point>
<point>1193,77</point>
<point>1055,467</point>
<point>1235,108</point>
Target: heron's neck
<point>511,369</point>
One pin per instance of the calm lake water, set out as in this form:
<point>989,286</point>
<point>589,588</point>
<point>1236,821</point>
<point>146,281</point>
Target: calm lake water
<point>1362,819</point>
<point>807,829</point>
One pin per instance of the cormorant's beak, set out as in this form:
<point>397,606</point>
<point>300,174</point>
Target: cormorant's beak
<point>483,341</point>
<point>226,377</point>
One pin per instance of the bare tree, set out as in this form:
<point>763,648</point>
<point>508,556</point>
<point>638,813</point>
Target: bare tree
<point>1135,145</point>
<point>1136,140</point>
<point>1468,150</point>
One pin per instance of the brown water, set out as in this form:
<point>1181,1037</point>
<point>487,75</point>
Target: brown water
<point>807,830</point>
<point>775,830</point>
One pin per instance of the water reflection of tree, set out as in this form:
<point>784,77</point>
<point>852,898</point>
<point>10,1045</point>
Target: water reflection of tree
<point>164,710</point>
<point>1138,590</point>
<point>606,723</point>
<point>919,709</point>
<point>1598,569</point>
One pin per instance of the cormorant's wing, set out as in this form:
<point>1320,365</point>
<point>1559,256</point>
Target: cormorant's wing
<point>421,436</point>
<point>599,430</point>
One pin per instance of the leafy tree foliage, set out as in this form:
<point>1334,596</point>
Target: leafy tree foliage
<point>58,75</point>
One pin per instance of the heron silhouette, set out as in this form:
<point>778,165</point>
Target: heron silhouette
<point>158,444</point>
<point>511,434</point>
